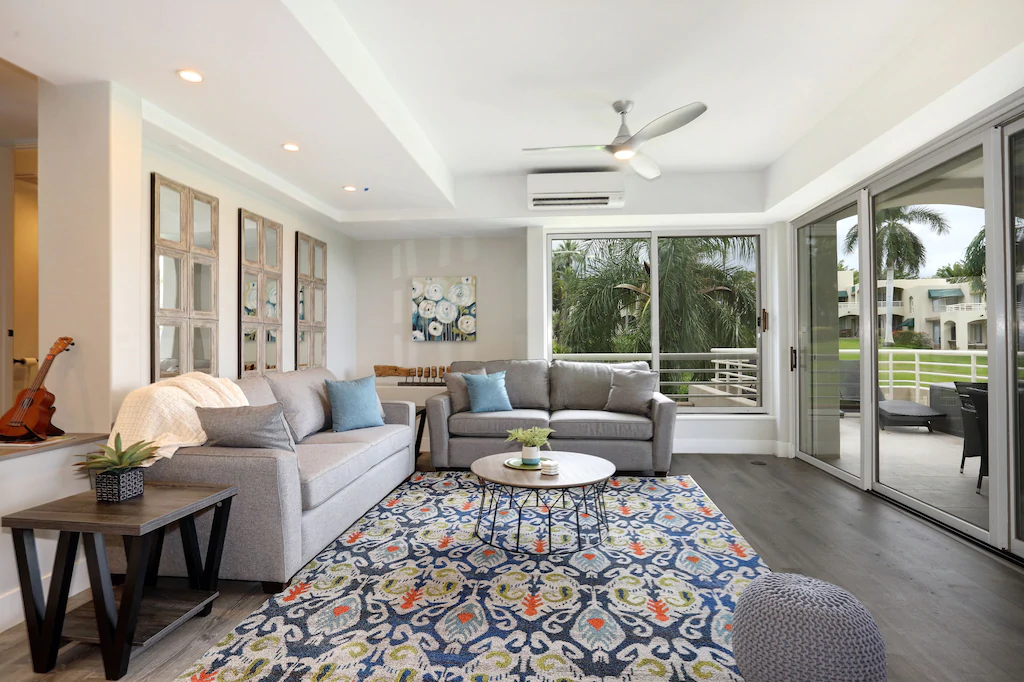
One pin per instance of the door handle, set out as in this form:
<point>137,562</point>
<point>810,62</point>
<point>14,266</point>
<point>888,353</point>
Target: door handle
<point>792,359</point>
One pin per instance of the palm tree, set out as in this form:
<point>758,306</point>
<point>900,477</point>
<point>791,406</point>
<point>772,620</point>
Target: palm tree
<point>707,293</point>
<point>975,256</point>
<point>897,247</point>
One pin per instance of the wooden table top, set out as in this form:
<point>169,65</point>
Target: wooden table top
<point>161,504</point>
<point>574,470</point>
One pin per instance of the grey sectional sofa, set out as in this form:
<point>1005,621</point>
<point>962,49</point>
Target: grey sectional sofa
<point>568,397</point>
<point>291,505</point>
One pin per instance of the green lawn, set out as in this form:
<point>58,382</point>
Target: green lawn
<point>903,365</point>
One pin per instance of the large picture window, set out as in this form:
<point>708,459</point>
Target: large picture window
<point>688,304</point>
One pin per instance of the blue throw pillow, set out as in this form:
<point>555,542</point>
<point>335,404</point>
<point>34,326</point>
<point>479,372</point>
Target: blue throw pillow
<point>487,392</point>
<point>354,404</point>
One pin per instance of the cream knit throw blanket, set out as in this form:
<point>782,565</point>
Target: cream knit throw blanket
<point>165,412</point>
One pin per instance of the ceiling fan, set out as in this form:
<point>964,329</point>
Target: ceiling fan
<point>626,146</point>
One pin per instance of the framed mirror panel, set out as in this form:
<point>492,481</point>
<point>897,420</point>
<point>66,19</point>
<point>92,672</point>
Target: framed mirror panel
<point>184,250</point>
<point>260,264</point>
<point>271,349</point>
<point>203,347</point>
<point>204,288</point>
<point>169,213</point>
<point>249,352</point>
<point>272,246</point>
<point>170,348</point>
<point>169,282</point>
<point>204,224</point>
<point>310,301</point>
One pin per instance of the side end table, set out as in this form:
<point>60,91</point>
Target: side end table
<point>139,612</point>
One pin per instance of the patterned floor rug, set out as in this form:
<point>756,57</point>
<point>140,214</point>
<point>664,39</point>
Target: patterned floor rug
<point>410,594</point>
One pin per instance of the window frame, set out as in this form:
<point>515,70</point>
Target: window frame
<point>654,357</point>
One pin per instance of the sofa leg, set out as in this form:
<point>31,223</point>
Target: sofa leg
<point>661,474</point>
<point>270,587</point>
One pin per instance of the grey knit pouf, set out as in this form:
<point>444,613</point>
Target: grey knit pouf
<point>792,628</point>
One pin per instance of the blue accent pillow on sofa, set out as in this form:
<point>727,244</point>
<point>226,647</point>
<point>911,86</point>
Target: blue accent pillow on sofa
<point>487,392</point>
<point>354,404</point>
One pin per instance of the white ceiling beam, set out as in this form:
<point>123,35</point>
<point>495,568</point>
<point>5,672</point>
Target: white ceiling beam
<point>325,23</point>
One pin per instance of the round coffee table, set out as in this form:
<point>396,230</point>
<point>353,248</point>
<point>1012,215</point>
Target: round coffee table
<point>576,493</point>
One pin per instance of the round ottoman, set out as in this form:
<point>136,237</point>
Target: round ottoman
<point>792,628</point>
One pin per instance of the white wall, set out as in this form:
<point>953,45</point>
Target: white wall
<point>25,482</point>
<point>341,258</point>
<point>383,322</point>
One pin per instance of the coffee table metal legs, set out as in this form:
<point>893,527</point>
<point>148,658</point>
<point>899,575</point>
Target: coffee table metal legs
<point>586,501</point>
<point>44,619</point>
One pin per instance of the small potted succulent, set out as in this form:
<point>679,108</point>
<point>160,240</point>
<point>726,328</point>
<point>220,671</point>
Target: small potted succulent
<point>533,440</point>
<point>118,472</point>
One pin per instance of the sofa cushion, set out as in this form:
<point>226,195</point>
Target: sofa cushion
<point>632,391</point>
<point>252,426</point>
<point>584,385</point>
<point>525,380</point>
<point>458,390</point>
<point>392,437</point>
<point>257,390</point>
<point>303,394</point>
<point>600,425</point>
<point>495,424</point>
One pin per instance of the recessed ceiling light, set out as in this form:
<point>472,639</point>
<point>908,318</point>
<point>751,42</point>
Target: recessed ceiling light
<point>191,75</point>
<point>349,188</point>
<point>624,154</point>
<point>290,147</point>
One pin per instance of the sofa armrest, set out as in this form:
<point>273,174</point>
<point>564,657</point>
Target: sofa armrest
<point>399,412</point>
<point>439,408</point>
<point>663,413</point>
<point>264,537</point>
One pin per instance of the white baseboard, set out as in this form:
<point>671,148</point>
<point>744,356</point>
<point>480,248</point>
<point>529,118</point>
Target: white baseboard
<point>723,446</point>
<point>12,611</point>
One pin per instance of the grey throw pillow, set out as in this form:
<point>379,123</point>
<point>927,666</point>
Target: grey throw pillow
<point>632,391</point>
<point>253,426</point>
<point>303,394</point>
<point>457,389</point>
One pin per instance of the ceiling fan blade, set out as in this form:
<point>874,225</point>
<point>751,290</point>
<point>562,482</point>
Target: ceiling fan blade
<point>673,120</point>
<point>646,167</point>
<point>572,148</point>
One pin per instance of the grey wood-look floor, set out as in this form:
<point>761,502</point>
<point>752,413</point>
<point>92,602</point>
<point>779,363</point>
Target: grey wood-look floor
<point>947,610</point>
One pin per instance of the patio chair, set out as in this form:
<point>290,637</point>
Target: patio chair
<point>972,436</point>
<point>849,385</point>
<point>905,413</point>
<point>979,399</point>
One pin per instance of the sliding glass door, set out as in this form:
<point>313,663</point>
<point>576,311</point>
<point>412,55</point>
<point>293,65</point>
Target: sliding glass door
<point>932,340</point>
<point>828,344</point>
<point>1014,155</point>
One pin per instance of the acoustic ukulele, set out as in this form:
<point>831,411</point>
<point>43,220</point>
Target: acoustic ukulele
<point>30,417</point>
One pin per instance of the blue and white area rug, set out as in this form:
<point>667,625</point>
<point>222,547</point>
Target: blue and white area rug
<point>409,594</point>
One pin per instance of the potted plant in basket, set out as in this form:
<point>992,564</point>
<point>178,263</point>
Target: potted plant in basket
<point>533,440</point>
<point>118,472</point>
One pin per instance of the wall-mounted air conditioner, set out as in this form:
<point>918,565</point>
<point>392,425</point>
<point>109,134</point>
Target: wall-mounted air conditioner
<point>568,191</point>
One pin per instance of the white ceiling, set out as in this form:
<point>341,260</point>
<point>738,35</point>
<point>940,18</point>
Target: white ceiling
<point>430,103</point>
<point>486,79</point>
<point>17,104</point>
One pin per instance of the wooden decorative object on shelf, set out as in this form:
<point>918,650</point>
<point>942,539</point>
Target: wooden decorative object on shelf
<point>415,376</point>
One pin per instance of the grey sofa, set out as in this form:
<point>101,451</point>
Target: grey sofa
<point>568,397</point>
<point>291,505</point>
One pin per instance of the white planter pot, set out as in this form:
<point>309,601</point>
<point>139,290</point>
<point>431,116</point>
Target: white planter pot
<point>531,455</point>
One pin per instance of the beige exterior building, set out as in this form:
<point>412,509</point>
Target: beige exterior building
<point>948,312</point>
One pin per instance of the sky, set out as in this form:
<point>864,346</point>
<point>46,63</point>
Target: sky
<point>964,222</point>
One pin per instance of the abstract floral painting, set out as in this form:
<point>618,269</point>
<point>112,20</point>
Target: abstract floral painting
<point>444,308</point>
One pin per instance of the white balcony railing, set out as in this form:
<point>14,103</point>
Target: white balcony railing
<point>965,307</point>
<point>918,369</point>
<point>722,378</point>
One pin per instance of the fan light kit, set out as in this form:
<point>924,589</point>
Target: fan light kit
<point>190,75</point>
<point>290,147</point>
<point>349,188</point>
<point>626,146</point>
